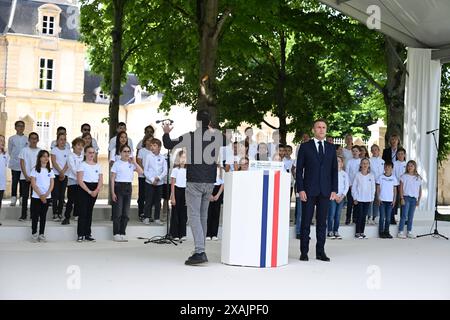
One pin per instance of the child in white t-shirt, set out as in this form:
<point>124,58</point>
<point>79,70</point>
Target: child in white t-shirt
<point>334,213</point>
<point>178,219</point>
<point>60,155</point>
<point>27,158</point>
<point>386,194</point>
<point>399,169</point>
<point>121,188</point>
<point>215,201</point>
<point>363,192</point>
<point>15,145</point>
<point>352,168</point>
<point>73,189</point>
<point>410,194</point>
<point>42,181</point>
<point>377,169</point>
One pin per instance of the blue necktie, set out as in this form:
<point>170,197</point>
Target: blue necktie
<point>321,153</point>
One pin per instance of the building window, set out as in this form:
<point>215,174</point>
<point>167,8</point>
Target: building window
<point>48,25</point>
<point>100,96</point>
<point>49,20</point>
<point>46,74</point>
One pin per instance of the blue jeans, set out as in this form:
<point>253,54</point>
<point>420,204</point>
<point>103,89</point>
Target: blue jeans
<point>407,212</point>
<point>385,216</point>
<point>298,214</point>
<point>334,215</point>
<point>374,209</point>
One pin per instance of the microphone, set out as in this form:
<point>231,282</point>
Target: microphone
<point>164,120</point>
<point>431,131</point>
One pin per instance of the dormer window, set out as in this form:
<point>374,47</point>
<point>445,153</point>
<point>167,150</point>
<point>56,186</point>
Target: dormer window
<point>48,24</point>
<point>100,96</point>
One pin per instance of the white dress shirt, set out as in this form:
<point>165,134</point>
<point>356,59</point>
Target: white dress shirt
<point>155,166</point>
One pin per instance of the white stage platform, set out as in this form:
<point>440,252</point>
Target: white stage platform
<point>359,269</point>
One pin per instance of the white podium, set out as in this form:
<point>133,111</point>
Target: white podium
<point>255,226</point>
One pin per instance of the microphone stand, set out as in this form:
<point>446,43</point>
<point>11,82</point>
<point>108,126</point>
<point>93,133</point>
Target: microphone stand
<point>435,233</point>
<point>167,239</point>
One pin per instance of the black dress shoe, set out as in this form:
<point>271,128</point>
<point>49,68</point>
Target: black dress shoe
<point>304,257</point>
<point>196,259</point>
<point>322,257</point>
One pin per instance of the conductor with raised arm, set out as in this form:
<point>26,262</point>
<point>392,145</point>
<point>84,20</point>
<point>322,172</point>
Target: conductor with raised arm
<point>317,184</point>
<point>202,151</point>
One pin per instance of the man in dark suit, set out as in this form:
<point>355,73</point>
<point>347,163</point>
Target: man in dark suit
<point>390,154</point>
<point>317,184</point>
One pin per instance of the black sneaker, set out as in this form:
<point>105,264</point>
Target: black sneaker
<point>382,235</point>
<point>80,239</point>
<point>196,259</point>
<point>388,235</point>
<point>297,236</point>
<point>89,238</point>
<point>65,221</point>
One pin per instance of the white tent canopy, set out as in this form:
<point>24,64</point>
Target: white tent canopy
<point>424,27</point>
<point>415,23</point>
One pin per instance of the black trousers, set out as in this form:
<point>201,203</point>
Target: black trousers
<point>152,198</point>
<point>38,214</point>
<point>121,207</point>
<point>15,175</point>
<point>1,197</point>
<point>214,214</point>
<point>58,195</point>
<point>178,219</point>
<point>350,207</point>
<point>73,201</point>
<point>322,205</point>
<point>25,194</point>
<point>361,210</point>
<point>141,196</point>
<point>86,206</point>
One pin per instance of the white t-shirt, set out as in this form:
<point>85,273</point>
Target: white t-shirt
<point>43,179</point>
<point>180,177</point>
<point>387,185</point>
<point>142,154</point>
<point>15,145</point>
<point>112,143</point>
<point>61,158</point>
<point>399,169</point>
<point>115,157</point>
<point>30,157</point>
<point>124,171</point>
<point>352,168</point>
<point>363,187</point>
<point>343,183</point>
<point>4,159</point>
<point>376,166</point>
<point>91,172</point>
<point>74,162</point>
<point>411,185</point>
<point>54,144</point>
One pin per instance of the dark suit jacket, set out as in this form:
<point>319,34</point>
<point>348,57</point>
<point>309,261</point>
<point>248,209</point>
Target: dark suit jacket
<point>387,155</point>
<point>314,177</point>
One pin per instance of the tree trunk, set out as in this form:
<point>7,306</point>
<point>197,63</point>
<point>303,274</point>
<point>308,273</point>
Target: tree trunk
<point>394,90</point>
<point>281,88</point>
<point>116,75</point>
<point>209,28</point>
